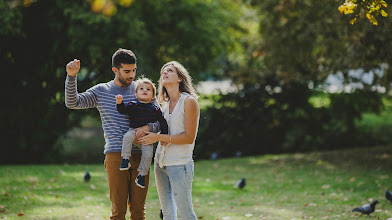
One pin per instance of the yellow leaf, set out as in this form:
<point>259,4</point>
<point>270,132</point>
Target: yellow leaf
<point>125,3</point>
<point>383,13</point>
<point>341,9</point>
<point>109,10</point>
<point>372,19</point>
<point>98,5</point>
<point>27,3</point>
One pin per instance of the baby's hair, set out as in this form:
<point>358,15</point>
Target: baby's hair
<point>143,79</point>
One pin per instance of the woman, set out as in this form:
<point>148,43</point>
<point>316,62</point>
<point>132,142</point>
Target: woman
<point>173,158</point>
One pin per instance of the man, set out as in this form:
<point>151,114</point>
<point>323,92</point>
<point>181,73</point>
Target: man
<point>122,185</point>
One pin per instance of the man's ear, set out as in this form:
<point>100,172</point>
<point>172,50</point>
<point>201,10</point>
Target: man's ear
<point>115,70</point>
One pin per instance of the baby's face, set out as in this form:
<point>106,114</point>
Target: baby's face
<point>144,93</point>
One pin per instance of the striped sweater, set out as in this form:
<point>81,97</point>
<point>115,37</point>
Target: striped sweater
<point>102,97</point>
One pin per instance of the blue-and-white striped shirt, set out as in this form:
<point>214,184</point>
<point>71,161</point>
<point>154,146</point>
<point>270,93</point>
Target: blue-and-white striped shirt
<point>102,97</point>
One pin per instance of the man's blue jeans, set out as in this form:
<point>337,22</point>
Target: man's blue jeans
<point>174,185</point>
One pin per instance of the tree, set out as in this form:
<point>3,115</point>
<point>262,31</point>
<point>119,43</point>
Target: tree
<point>369,9</point>
<point>39,39</point>
<point>299,44</point>
<point>305,41</point>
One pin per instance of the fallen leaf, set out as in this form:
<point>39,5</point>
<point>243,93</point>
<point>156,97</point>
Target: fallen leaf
<point>383,177</point>
<point>20,214</point>
<point>326,186</point>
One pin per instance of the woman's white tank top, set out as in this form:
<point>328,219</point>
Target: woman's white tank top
<point>175,154</point>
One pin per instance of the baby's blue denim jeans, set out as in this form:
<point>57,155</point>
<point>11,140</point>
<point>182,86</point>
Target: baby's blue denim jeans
<point>174,185</point>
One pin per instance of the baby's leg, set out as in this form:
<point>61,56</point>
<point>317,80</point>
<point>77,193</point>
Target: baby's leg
<point>128,139</point>
<point>146,159</point>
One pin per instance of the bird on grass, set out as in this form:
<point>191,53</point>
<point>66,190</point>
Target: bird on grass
<point>214,156</point>
<point>161,214</point>
<point>241,183</point>
<point>366,209</point>
<point>388,195</point>
<point>87,176</point>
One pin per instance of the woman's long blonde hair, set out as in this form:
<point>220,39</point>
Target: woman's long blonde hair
<point>185,84</point>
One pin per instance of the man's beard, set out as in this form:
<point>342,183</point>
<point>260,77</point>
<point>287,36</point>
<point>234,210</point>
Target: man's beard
<point>124,81</point>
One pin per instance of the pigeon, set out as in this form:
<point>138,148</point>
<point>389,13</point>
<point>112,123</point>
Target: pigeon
<point>241,183</point>
<point>161,214</point>
<point>87,176</point>
<point>214,156</point>
<point>366,209</point>
<point>388,195</point>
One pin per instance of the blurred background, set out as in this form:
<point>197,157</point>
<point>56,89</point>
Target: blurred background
<point>274,76</point>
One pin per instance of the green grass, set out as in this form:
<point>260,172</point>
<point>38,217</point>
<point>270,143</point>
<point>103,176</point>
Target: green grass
<point>324,185</point>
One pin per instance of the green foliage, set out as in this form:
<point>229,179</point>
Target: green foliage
<point>255,121</point>
<point>38,41</point>
<point>305,41</point>
<point>375,128</point>
<point>310,186</point>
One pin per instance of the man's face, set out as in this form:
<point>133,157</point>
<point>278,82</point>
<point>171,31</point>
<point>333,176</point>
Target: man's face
<point>126,74</point>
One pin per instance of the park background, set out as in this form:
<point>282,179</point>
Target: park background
<point>275,77</point>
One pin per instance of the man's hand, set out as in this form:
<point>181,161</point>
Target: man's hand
<point>73,67</point>
<point>119,99</point>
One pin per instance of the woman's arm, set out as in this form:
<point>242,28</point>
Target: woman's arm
<point>191,114</point>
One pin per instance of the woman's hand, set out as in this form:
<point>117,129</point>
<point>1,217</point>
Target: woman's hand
<point>149,138</point>
<point>140,131</point>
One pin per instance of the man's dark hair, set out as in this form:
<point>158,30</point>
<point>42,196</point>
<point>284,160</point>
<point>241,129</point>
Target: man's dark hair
<point>123,56</point>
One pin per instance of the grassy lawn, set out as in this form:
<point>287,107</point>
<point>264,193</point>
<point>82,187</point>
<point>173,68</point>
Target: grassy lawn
<point>324,185</point>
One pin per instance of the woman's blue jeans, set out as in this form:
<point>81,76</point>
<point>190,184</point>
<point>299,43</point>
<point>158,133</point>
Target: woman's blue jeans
<point>174,185</point>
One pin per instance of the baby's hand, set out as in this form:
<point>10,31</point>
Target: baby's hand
<point>119,99</point>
